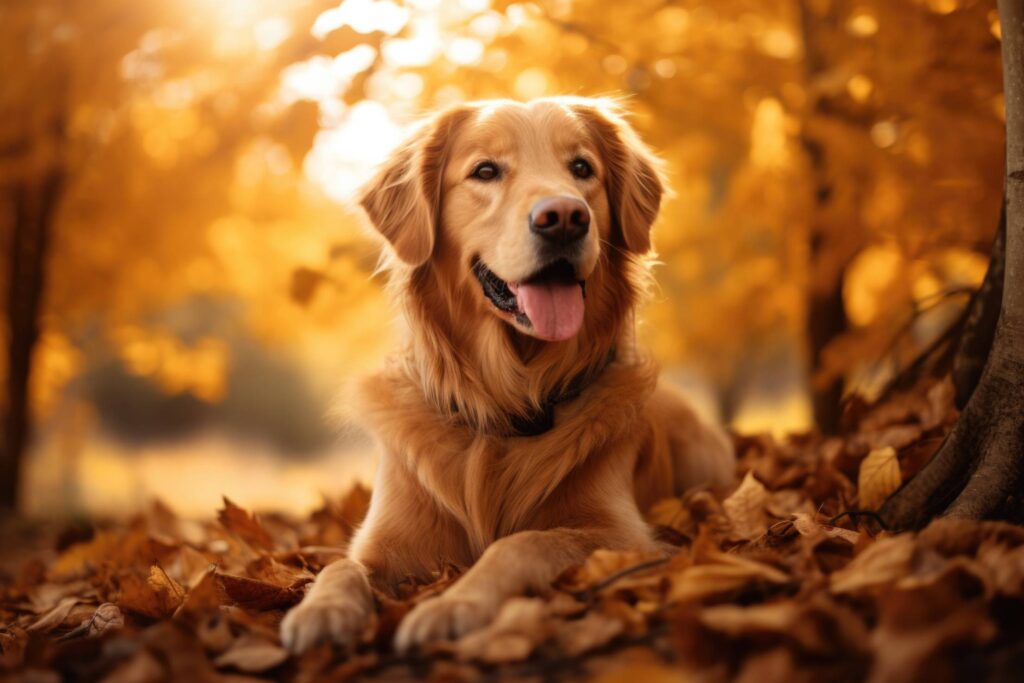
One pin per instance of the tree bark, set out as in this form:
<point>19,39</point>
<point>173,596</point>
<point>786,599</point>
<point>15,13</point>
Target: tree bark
<point>35,205</point>
<point>979,469</point>
<point>982,316</point>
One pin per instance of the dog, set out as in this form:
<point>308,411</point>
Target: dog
<point>520,427</point>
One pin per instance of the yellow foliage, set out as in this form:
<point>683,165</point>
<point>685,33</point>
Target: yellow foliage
<point>211,150</point>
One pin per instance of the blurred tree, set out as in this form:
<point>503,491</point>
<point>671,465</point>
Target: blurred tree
<point>136,145</point>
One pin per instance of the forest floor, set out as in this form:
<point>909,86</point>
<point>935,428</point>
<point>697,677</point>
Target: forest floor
<point>778,579</point>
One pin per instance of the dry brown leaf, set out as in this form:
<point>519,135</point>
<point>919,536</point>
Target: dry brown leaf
<point>252,655</point>
<point>879,477</point>
<point>157,596</point>
<point>106,617</point>
<point>745,510</point>
<point>257,595</point>
<point>244,525</point>
<point>729,575</point>
<point>188,567</point>
<point>269,570</point>
<point>55,617</point>
<point>884,561</point>
<point>602,564</point>
<point>205,595</point>
<point>807,526</point>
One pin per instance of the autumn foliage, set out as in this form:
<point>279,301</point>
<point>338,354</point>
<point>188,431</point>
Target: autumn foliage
<point>782,579</point>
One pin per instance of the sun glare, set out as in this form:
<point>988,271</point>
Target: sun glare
<point>364,16</point>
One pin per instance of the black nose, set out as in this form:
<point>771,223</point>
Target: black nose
<point>560,219</point>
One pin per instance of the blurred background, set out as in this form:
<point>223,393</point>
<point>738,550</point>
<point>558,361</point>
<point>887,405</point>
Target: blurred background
<point>185,285</point>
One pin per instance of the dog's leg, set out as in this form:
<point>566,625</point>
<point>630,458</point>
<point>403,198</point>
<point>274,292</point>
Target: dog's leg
<point>404,535</point>
<point>510,566</point>
<point>337,608</point>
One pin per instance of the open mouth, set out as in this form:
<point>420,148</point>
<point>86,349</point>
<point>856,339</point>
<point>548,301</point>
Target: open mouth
<point>549,303</point>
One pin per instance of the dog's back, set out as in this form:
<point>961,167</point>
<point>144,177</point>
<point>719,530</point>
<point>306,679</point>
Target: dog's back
<point>682,450</point>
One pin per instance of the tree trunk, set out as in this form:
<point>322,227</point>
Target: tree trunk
<point>826,313</point>
<point>982,317</point>
<point>826,319</point>
<point>35,204</point>
<point>979,469</point>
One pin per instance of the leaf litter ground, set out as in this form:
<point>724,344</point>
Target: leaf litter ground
<point>778,579</point>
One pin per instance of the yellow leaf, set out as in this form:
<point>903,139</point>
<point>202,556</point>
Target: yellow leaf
<point>879,477</point>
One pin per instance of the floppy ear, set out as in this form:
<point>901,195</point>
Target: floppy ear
<point>403,200</point>
<point>633,174</point>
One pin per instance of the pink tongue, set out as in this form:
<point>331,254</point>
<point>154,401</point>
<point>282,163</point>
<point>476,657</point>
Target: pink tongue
<point>555,310</point>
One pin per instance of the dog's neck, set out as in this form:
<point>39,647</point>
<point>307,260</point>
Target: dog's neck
<point>473,366</point>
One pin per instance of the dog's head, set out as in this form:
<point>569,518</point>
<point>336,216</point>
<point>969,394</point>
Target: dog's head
<point>520,202</point>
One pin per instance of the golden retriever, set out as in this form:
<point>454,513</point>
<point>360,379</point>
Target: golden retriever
<point>520,428</point>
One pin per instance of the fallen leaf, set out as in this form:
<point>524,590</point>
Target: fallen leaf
<point>156,596</point>
<point>745,510</point>
<point>807,526</point>
<point>106,617</point>
<point>55,617</point>
<point>245,526</point>
<point>205,595</point>
<point>879,477</point>
<point>884,561</point>
<point>729,575</point>
<point>257,595</point>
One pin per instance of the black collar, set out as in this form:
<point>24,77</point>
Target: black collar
<point>543,420</point>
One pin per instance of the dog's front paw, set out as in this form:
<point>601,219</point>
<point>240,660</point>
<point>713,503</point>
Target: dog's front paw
<point>314,620</point>
<point>444,617</point>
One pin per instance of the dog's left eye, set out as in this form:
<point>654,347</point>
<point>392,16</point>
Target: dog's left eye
<point>581,168</point>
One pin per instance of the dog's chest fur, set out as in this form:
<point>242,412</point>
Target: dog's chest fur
<point>492,485</point>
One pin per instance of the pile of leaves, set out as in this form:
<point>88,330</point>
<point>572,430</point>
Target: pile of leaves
<point>779,579</point>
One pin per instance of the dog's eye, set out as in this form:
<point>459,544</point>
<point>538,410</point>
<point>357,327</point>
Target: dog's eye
<point>486,170</point>
<point>581,168</point>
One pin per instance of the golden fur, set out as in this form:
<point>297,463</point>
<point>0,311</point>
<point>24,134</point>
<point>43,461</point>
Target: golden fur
<point>452,485</point>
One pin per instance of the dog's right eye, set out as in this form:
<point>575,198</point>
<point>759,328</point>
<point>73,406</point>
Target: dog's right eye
<point>486,170</point>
